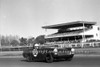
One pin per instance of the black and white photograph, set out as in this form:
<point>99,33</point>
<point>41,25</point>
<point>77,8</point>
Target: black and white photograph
<point>49,33</point>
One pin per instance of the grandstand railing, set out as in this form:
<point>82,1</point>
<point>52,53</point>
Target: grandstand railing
<point>76,44</point>
<point>67,33</point>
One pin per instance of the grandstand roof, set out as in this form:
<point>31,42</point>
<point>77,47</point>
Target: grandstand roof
<point>69,25</point>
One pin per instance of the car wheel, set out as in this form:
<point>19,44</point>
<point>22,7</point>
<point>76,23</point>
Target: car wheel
<point>28,58</point>
<point>49,58</point>
<point>69,58</point>
<point>24,55</point>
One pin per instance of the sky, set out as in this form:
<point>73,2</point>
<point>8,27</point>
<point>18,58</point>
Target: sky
<point>26,17</point>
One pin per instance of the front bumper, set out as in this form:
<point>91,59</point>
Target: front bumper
<point>68,54</point>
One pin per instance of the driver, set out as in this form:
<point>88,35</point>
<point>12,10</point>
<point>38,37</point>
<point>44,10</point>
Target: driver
<point>36,46</point>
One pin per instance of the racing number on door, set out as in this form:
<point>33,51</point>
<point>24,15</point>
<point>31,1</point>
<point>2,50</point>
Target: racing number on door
<point>35,52</point>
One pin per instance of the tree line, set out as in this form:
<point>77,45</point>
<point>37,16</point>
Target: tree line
<point>20,41</point>
<point>15,41</point>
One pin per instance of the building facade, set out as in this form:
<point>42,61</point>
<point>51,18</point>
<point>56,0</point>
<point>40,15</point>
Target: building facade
<point>73,33</point>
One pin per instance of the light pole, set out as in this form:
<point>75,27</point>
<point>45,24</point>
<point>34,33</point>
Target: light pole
<point>83,35</point>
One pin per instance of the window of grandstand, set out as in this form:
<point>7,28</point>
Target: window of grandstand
<point>96,34</point>
<point>91,26</point>
<point>93,40</point>
<point>69,31</point>
<point>98,28</point>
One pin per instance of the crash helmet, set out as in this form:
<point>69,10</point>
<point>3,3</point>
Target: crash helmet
<point>36,45</point>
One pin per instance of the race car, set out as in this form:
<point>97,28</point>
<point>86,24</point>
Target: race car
<point>48,53</point>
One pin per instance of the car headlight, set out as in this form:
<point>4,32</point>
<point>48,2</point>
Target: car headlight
<point>55,50</point>
<point>72,49</point>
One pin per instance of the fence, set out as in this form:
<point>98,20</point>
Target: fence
<point>18,48</point>
<point>75,45</point>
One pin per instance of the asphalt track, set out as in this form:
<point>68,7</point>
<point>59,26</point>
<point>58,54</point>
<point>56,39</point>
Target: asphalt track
<point>78,61</point>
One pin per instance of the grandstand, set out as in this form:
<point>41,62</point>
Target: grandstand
<point>76,33</point>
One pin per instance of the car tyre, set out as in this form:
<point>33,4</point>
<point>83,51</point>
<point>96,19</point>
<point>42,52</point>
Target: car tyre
<point>49,58</point>
<point>69,58</point>
<point>29,59</point>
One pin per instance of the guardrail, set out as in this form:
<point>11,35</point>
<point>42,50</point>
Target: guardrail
<point>95,51</point>
<point>21,48</point>
<point>17,51</point>
<point>17,48</point>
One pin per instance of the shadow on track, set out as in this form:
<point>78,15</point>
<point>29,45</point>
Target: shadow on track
<point>56,60</point>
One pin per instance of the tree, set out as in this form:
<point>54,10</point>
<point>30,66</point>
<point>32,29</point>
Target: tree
<point>14,43</point>
<point>30,41</point>
<point>4,42</point>
<point>40,39</point>
<point>23,41</point>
